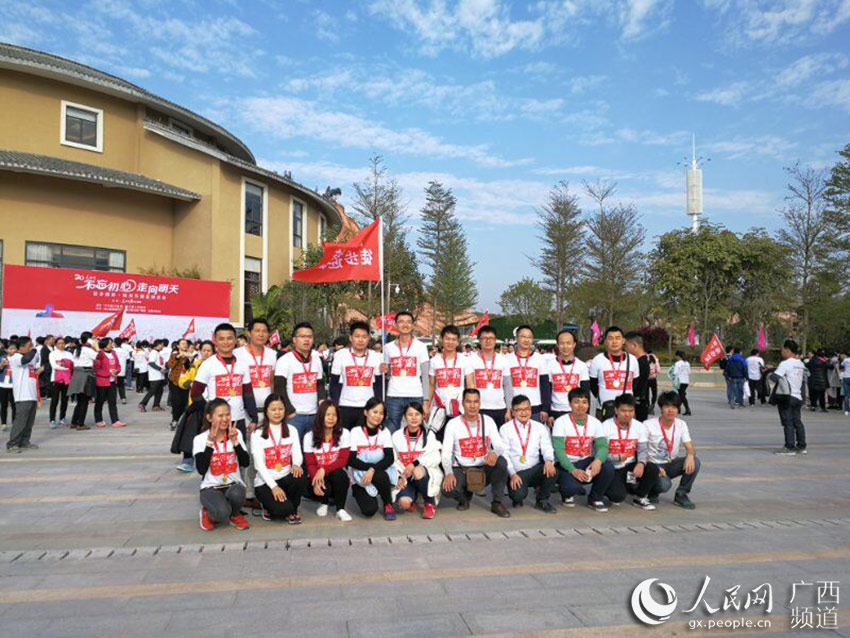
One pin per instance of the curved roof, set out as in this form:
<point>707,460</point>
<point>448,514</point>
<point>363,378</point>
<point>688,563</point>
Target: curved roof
<point>45,64</point>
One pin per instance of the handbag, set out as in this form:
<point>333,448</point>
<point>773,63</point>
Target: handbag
<point>476,478</point>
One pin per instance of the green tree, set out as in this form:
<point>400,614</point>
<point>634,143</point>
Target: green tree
<point>561,236</point>
<point>763,283</point>
<point>527,300</point>
<point>451,287</point>
<point>271,306</point>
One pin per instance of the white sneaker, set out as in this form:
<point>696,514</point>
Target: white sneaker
<point>846,413</point>
<point>322,510</point>
<point>53,425</point>
<point>643,503</point>
<point>344,516</point>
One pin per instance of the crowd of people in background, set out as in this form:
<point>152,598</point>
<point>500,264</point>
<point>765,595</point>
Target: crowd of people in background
<point>400,426</point>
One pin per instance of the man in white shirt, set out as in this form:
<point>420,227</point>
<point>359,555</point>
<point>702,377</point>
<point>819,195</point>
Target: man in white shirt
<point>528,375</point>
<point>355,376</point>
<point>628,450</point>
<point>844,368</point>
<point>612,372</point>
<point>123,356</point>
<point>566,372</point>
<point>489,372</point>
<point>472,446</point>
<point>755,371</point>
<point>299,378</point>
<point>25,366</point>
<point>156,376</point>
<point>529,455</point>
<point>406,364</point>
<point>667,436</point>
<point>446,374</point>
<point>791,371</point>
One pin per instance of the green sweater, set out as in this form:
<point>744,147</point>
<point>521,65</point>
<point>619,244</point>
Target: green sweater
<point>600,445</point>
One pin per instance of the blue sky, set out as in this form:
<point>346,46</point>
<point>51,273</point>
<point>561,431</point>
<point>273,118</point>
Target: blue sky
<point>497,100</point>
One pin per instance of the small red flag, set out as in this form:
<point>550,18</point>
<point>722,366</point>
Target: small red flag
<point>387,322</point>
<point>274,339</point>
<point>190,330</point>
<point>361,259</point>
<point>112,322</point>
<point>713,351</point>
<point>484,321</point>
<point>596,332</point>
<point>129,332</point>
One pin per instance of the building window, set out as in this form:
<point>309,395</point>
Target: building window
<point>81,127</point>
<point>178,126</point>
<point>251,284</point>
<point>297,224</point>
<point>253,209</point>
<point>323,224</point>
<point>81,257</point>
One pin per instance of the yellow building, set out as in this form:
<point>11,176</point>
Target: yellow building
<point>97,173</point>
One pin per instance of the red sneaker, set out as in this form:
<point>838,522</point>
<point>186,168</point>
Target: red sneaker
<point>239,522</point>
<point>206,522</point>
<point>389,512</point>
<point>429,510</point>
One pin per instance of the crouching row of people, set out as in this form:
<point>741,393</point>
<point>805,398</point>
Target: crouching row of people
<point>393,472</point>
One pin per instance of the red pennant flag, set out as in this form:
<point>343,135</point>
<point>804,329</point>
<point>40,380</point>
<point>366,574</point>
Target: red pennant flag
<point>129,332</point>
<point>361,259</point>
<point>484,321</point>
<point>386,322</point>
<point>596,332</point>
<point>190,330</point>
<point>692,337</point>
<point>713,351</point>
<point>112,322</point>
<point>274,339</point>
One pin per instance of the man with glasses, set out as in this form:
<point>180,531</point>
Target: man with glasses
<point>488,372</point>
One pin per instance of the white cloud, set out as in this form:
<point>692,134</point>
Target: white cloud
<point>569,170</point>
<point>642,18</point>
<point>651,138</point>
<point>326,26</point>
<point>584,83</point>
<point>772,146</point>
<point>830,93</point>
<point>730,95</point>
<point>286,117</point>
<point>809,66</point>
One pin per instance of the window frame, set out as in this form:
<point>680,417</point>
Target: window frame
<point>42,264</point>
<point>63,120</point>
<point>303,244</point>
<point>262,210</point>
<point>247,310</point>
<point>180,127</point>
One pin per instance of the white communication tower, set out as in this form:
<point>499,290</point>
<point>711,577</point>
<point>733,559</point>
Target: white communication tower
<point>693,184</point>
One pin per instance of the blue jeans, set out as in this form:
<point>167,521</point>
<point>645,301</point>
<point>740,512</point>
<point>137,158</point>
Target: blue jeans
<point>738,390</point>
<point>303,423</point>
<point>846,385</point>
<point>128,379</point>
<point>395,410</point>
<point>416,487</point>
<point>568,485</point>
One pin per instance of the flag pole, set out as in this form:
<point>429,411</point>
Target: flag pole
<point>383,309</point>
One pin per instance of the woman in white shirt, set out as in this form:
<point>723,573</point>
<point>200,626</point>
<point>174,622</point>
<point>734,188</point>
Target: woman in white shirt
<point>682,370</point>
<point>82,386</point>
<point>280,481</point>
<point>61,367</point>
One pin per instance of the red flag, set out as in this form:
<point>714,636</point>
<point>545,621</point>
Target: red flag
<point>129,332</point>
<point>484,321</point>
<point>713,351</point>
<point>112,322</point>
<point>692,337</point>
<point>386,322</point>
<point>761,338</point>
<point>190,330</point>
<point>596,332</point>
<point>274,339</point>
<point>361,259</point>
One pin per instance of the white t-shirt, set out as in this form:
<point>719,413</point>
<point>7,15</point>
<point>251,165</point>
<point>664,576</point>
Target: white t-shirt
<point>59,360</point>
<point>448,377</point>
<point>534,436</point>
<point>463,443</point>
<point>326,453</point>
<point>405,364</point>
<point>361,440</point>
<point>578,439</point>
<point>683,371</point>
<point>624,441</point>
<point>754,366</point>
<point>275,456</point>
<point>795,372</point>
<point>356,373</point>
<point>224,466</point>
<point>122,355</point>
<point>24,377</point>
<point>659,451</point>
<point>301,380</point>
<point>845,368</point>
<point>564,378</point>
<point>409,449</point>
<point>86,357</point>
<point>611,375</point>
<point>488,377</point>
<point>159,358</point>
<point>141,361</point>
<point>528,371</point>
<point>6,377</point>
<point>261,370</point>
<point>224,382</point>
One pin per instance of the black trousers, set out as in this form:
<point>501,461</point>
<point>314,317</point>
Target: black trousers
<point>7,400</point>
<point>619,488</point>
<point>141,381</point>
<point>496,477</point>
<point>817,397</point>
<point>533,477</point>
<point>179,401</point>
<point>81,409</point>
<point>683,397</point>
<point>294,489</point>
<point>58,396</point>
<point>652,385</point>
<point>336,489</point>
<point>369,504</point>
<point>350,416</point>
<point>106,394</point>
<point>792,424</point>
<point>154,391</point>
<point>122,389</point>
<point>756,387</point>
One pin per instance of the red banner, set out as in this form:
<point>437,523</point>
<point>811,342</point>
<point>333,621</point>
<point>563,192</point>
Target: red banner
<point>112,322</point>
<point>190,330</point>
<point>129,332</point>
<point>713,351</point>
<point>274,339</point>
<point>358,260</point>
<point>387,322</point>
<point>484,321</point>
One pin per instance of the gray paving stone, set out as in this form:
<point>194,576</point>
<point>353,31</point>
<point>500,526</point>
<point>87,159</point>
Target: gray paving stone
<point>438,538</point>
<point>168,549</point>
<point>191,548</point>
<point>234,547</point>
<point>124,552</point>
<point>399,540</point>
<point>407,625</point>
<point>419,538</point>
<point>299,543</point>
<point>379,540</point>
<point>9,556</point>
<point>29,557</point>
<point>77,554</point>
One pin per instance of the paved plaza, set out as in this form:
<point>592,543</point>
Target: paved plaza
<point>99,537</point>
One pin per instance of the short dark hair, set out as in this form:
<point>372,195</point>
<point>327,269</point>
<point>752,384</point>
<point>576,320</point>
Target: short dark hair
<point>754,352</point>
<point>519,398</point>
<point>450,329</point>
<point>22,341</point>
<point>489,330</point>
<point>792,346</point>
<point>681,354</point>
<point>405,313</point>
<point>736,350</point>
<point>578,393</point>
<point>102,343</point>
<point>303,324</point>
<point>470,391</point>
<point>524,326</point>
<point>224,327</point>
<point>633,336</point>
<point>669,398</point>
<point>567,331</point>
<point>258,320</point>
<point>611,329</point>
<point>358,325</point>
<point>624,399</point>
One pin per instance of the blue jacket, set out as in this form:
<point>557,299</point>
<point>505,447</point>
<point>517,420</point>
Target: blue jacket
<point>736,367</point>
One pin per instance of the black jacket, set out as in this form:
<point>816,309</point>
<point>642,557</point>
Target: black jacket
<point>818,371</point>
